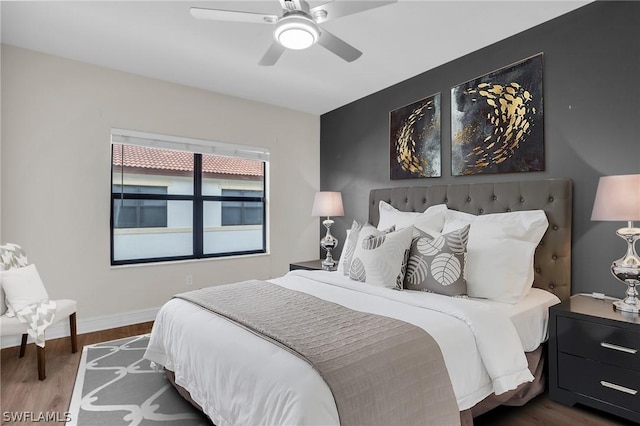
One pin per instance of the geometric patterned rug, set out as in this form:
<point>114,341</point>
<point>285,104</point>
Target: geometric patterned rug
<point>116,386</point>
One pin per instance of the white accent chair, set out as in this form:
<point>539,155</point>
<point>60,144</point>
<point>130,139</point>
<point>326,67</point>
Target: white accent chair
<point>12,256</point>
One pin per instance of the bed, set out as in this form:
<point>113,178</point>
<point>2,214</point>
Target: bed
<point>236,377</point>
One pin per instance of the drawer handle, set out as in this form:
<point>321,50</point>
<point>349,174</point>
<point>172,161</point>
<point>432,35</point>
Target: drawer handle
<point>618,387</point>
<point>618,348</point>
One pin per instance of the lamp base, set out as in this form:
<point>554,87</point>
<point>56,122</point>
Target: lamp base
<point>620,305</point>
<point>630,303</point>
<point>627,270</point>
<point>328,243</point>
<point>328,264</point>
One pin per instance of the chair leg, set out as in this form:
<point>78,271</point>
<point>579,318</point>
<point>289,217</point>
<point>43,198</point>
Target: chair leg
<point>74,333</point>
<point>23,346</point>
<point>41,365</point>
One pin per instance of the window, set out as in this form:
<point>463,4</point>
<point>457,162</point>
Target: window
<point>172,199</point>
<point>241,212</point>
<point>141,213</point>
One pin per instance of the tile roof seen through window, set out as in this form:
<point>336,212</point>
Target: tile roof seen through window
<point>164,159</point>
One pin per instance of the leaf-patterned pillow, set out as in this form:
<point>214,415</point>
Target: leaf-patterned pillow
<point>349,247</point>
<point>380,257</point>
<point>436,264</point>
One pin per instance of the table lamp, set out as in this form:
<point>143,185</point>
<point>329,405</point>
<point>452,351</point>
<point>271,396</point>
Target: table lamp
<point>328,203</point>
<point>618,198</point>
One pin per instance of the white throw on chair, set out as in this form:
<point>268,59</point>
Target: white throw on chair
<point>24,290</point>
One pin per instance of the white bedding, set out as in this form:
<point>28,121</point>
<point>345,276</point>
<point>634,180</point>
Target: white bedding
<point>530,316</point>
<point>239,378</point>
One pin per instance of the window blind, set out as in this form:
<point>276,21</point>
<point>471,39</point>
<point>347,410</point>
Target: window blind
<point>200,146</point>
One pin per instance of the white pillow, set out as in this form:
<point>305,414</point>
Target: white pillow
<point>500,252</point>
<point>23,287</point>
<point>431,220</point>
<point>380,258</point>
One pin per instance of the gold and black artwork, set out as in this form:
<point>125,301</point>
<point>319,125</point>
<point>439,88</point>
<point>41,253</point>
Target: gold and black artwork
<point>415,146</point>
<point>497,121</point>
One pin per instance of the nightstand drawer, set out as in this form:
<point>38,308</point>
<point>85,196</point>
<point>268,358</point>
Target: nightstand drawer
<point>617,386</point>
<point>611,345</point>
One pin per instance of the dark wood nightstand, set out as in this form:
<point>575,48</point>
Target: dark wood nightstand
<point>311,265</point>
<point>594,356</point>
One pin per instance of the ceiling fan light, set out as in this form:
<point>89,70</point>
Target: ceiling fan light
<point>295,32</point>
<point>296,38</point>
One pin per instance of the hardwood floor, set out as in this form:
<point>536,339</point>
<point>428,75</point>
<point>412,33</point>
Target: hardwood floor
<point>21,391</point>
<point>542,411</point>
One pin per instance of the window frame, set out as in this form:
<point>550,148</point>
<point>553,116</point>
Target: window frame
<point>198,200</point>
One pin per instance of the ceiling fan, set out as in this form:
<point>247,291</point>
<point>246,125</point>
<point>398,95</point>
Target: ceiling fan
<point>297,27</point>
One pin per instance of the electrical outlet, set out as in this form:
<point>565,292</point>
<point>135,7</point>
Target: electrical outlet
<point>189,280</point>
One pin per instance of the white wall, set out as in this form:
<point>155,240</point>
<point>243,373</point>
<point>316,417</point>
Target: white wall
<point>55,176</point>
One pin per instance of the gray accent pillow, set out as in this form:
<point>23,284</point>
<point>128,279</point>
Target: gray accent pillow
<point>436,263</point>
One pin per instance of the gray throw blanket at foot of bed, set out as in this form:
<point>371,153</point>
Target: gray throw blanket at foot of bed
<point>381,371</point>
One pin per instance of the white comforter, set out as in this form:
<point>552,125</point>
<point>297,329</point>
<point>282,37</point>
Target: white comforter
<point>241,379</point>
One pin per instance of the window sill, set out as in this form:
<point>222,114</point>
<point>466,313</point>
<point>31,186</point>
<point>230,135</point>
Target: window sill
<point>184,261</point>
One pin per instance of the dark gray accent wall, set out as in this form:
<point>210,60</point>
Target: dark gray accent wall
<point>591,124</point>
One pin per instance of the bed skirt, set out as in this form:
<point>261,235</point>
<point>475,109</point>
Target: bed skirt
<point>182,391</point>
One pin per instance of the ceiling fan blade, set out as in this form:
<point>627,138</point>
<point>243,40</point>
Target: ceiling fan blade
<point>232,16</point>
<point>272,55</point>
<point>338,46</point>
<point>336,9</point>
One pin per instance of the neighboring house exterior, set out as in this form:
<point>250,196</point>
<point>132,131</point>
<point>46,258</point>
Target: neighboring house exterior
<point>145,228</point>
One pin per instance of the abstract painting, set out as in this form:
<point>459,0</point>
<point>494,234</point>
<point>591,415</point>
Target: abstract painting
<point>497,121</point>
<point>414,139</point>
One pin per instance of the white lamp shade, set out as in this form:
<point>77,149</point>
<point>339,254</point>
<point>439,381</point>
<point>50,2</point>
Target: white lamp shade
<point>617,198</point>
<point>327,203</point>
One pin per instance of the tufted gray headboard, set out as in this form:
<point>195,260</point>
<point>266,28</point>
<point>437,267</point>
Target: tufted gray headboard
<point>552,261</point>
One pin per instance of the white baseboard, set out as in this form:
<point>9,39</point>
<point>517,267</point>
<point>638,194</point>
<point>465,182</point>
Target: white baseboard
<point>89,325</point>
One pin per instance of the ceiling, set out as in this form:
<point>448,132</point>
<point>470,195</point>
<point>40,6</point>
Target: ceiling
<point>162,40</point>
